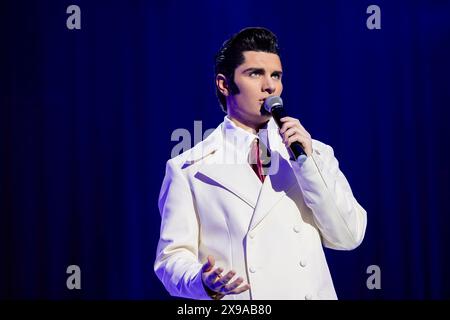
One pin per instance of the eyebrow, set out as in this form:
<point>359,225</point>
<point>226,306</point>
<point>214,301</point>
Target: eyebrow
<point>261,70</point>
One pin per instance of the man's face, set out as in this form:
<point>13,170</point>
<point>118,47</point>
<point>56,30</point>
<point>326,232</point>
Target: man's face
<point>257,78</point>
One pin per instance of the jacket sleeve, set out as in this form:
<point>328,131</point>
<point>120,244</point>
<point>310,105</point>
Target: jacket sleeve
<point>339,217</point>
<point>176,263</point>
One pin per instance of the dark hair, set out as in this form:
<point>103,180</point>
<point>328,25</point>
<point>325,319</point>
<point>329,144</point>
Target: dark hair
<point>230,55</point>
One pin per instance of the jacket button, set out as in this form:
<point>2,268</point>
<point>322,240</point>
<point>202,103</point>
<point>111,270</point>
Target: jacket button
<point>308,297</point>
<point>297,229</point>
<point>251,235</point>
<point>252,270</point>
<point>303,263</point>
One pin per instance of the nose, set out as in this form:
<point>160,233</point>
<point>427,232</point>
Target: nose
<point>268,85</point>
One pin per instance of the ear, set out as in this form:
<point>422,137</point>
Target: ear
<point>222,84</point>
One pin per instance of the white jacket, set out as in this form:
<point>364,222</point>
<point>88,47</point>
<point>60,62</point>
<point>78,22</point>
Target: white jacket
<point>272,235</point>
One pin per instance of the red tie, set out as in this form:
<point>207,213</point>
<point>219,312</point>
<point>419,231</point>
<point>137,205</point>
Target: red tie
<point>255,160</point>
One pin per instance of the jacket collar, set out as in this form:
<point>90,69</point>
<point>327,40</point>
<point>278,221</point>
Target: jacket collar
<point>221,163</point>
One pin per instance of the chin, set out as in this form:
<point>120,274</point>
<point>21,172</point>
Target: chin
<point>265,117</point>
<point>262,119</point>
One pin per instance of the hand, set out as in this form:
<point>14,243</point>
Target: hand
<point>292,130</point>
<point>217,285</point>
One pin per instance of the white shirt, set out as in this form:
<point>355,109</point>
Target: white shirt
<point>239,141</point>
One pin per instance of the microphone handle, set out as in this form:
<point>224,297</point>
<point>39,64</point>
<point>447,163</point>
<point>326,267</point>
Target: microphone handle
<point>278,112</point>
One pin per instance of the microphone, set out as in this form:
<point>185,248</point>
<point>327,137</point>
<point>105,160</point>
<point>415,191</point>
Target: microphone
<point>274,105</point>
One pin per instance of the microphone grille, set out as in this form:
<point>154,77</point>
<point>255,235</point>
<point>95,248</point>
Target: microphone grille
<point>272,101</point>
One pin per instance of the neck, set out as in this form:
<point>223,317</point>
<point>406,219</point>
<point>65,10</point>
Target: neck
<point>247,126</point>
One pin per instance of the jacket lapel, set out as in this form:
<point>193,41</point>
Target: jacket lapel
<point>238,178</point>
<point>275,187</point>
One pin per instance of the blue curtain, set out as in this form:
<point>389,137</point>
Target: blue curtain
<point>87,116</point>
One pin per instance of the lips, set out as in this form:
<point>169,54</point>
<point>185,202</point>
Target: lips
<point>261,101</point>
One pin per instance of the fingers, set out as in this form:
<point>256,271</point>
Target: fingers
<point>209,264</point>
<point>211,278</point>
<point>296,137</point>
<point>295,134</point>
<point>235,287</point>
<point>291,131</point>
<point>223,281</point>
<point>288,122</point>
<point>245,287</point>
<point>222,285</point>
<point>290,128</point>
<point>292,123</point>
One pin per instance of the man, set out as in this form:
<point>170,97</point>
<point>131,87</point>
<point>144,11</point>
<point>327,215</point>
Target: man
<point>233,229</point>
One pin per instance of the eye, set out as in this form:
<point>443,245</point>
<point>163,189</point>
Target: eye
<point>276,76</point>
<point>254,74</point>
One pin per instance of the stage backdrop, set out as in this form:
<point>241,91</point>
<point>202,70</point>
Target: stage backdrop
<point>87,117</point>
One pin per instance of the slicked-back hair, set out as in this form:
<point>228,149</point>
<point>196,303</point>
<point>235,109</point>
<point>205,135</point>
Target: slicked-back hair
<point>230,56</point>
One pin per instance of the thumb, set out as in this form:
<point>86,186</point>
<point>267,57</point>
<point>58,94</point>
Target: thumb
<point>209,264</point>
